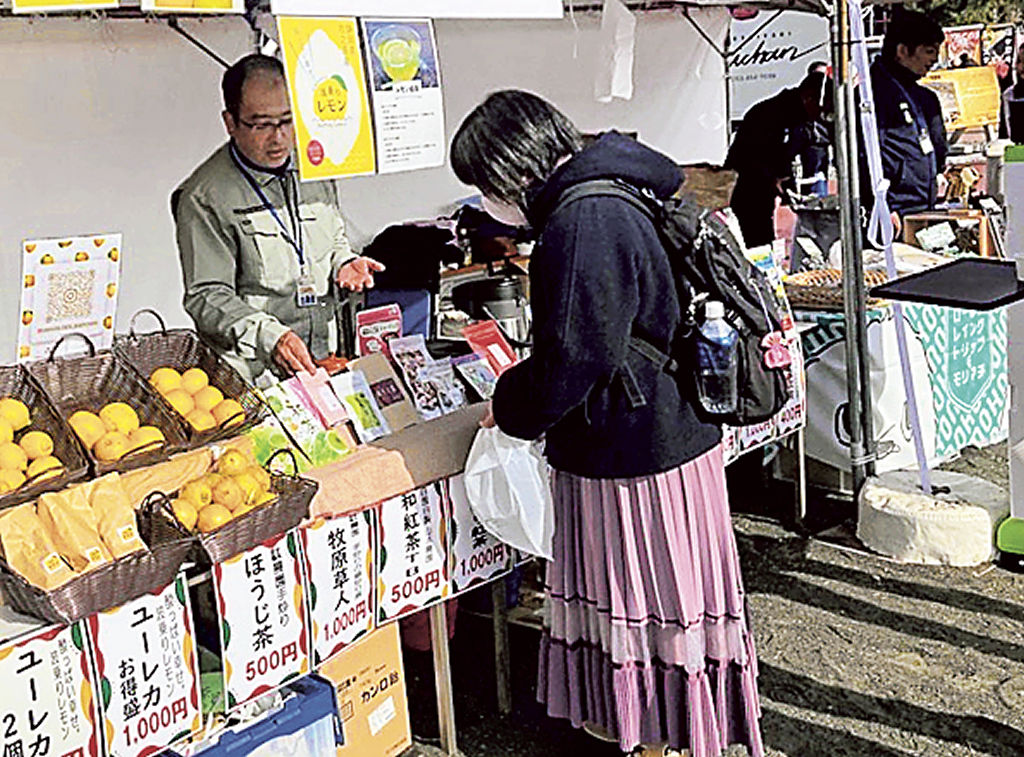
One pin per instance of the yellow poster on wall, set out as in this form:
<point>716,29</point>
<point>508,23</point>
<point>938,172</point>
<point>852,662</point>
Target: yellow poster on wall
<point>194,6</point>
<point>52,6</point>
<point>327,86</point>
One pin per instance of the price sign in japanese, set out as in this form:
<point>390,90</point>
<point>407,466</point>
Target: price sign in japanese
<point>338,556</point>
<point>148,673</point>
<point>263,618</point>
<point>411,553</point>
<point>47,705</point>
<point>476,555</point>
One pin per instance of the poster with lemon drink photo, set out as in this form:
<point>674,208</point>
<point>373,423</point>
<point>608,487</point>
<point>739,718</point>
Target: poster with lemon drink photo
<point>406,93</point>
<point>194,6</point>
<point>327,87</point>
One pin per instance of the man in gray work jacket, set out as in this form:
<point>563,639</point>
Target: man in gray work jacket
<point>258,252</point>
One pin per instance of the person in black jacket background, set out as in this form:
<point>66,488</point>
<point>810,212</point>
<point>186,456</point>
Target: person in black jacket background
<point>910,126</point>
<point>645,596</point>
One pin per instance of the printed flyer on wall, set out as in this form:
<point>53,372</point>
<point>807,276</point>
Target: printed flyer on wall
<point>68,285</point>
<point>52,6</point>
<point>327,87</point>
<point>405,85</point>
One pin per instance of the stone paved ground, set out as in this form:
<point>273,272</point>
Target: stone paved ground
<point>858,655</point>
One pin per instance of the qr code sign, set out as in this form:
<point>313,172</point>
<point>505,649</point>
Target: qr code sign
<point>69,295</point>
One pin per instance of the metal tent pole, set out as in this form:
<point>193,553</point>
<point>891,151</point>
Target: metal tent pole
<point>849,230</point>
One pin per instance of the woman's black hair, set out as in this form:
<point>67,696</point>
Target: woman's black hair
<point>234,78</point>
<point>509,141</point>
<point>913,29</point>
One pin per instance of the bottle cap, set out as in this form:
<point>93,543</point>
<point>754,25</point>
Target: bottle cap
<point>714,309</point>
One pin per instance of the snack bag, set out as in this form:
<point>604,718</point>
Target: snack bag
<point>74,528</point>
<point>115,516</point>
<point>29,550</point>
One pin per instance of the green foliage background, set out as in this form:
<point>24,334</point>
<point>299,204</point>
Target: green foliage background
<point>959,12</point>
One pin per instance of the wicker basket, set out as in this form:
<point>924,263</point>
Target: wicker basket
<point>182,349</point>
<point>90,382</point>
<point>112,584</point>
<point>14,382</point>
<point>294,495</point>
<point>823,289</point>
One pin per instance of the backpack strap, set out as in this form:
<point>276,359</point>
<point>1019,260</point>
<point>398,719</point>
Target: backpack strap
<point>607,188</point>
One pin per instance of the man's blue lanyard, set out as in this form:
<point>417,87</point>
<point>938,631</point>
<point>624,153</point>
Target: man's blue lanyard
<point>296,245</point>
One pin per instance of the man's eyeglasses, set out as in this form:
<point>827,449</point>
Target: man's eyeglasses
<point>266,127</point>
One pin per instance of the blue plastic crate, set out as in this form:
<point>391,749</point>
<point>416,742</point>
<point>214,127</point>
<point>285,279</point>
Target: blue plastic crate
<point>310,705</point>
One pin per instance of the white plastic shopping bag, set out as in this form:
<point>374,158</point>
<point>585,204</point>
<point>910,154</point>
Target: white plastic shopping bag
<point>508,490</point>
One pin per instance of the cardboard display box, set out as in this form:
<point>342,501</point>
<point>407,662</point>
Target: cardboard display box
<point>370,684</point>
<point>405,460</point>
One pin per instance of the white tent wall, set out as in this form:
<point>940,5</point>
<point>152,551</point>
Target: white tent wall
<point>103,118</point>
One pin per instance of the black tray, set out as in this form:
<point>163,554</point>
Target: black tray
<point>969,283</point>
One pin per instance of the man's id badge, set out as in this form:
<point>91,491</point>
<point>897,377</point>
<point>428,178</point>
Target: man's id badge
<point>926,143</point>
<point>305,295</point>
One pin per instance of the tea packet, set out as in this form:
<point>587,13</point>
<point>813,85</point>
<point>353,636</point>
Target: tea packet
<point>29,550</point>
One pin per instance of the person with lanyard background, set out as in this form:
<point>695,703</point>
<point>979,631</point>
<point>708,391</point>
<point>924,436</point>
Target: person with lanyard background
<point>258,253</point>
<point>910,126</point>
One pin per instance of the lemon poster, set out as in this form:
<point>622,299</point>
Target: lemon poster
<point>406,93</point>
<point>194,6</point>
<point>327,86</point>
<point>67,285</point>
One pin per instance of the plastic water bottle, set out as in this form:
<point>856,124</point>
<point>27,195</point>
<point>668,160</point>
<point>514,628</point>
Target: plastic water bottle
<point>717,348</point>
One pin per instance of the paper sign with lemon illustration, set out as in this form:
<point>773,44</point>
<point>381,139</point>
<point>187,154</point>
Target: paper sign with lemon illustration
<point>68,284</point>
<point>406,93</point>
<point>51,6</point>
<point>327,86</point>
<point>194,6</point>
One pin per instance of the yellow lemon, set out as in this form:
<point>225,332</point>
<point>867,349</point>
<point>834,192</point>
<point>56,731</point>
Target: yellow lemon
<point>120,417</point>
<point>44,467</point>
<point>15,412</point>
<point>228,413</point>
<point>185,512</point>
<point>211,479</point>
<point>232,463</point>
<point>10,480</point>
<point>208,398</point>
<point>261,475</point>
<point>181,401</point>
<point>201,420</point>
<point>228,493</point>
<point>249,485</point>
<point>193,380</point>
<point>165,380</point>
<point>213,517</point>
<point>12,457</point>
<point>198,493</point>
<point>6,431</point>
<point>264,498</point>
<point>112,446</point>
<point>36,444</point>
<point>146,436</point>
<point>88,426</point>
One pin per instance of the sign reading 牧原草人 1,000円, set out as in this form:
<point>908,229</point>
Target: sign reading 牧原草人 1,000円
<point>338,555</point>
<point>49,700</point>
<point>263,621</point>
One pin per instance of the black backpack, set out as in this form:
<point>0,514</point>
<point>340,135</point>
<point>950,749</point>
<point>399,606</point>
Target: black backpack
<point>707,264</point>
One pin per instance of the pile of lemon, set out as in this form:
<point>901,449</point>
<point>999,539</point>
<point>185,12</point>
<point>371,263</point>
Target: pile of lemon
<point>235,486</point>
<point>114,432</point>
<point>31,457</point>
<point>193,397</point>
